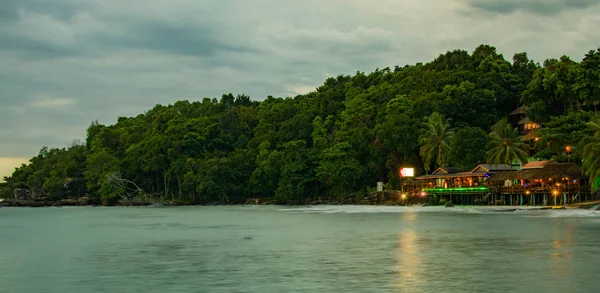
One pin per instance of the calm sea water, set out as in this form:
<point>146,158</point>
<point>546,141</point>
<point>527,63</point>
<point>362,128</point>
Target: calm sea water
<point>311,249</point>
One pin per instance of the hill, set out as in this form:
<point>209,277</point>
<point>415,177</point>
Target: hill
<point>335,142</point>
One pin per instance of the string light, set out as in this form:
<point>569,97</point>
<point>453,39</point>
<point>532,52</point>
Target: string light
<point>456,189</point>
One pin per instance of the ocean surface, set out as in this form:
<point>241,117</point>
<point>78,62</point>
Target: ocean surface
<point>298,249</point>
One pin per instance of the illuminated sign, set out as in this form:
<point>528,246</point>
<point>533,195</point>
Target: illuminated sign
<point>407,172</point>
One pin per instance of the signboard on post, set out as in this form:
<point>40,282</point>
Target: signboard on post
<point>379,186</point>
<point>407,172</point>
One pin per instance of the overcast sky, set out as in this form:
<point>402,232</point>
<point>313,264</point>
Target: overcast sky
<point>64,64</point>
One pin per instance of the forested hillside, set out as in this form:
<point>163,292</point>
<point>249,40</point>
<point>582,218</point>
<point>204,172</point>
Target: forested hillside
<point>335,142</point>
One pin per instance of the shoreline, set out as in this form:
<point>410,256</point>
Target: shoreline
<point>84,202</point>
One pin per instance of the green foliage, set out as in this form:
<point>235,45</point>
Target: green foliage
<point>564,85</point>
<point>297,172</point>
<point>341,139</point>
<point>5,190</point>
<point>562,132</point>
<point>339,169</point>
<point>505,145</point>
<point>397,134</point>
<point>467,148</point>
<point>435,140</point>
<point>591,154</point>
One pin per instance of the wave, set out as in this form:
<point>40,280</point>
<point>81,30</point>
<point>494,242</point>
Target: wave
<point>508,210</point>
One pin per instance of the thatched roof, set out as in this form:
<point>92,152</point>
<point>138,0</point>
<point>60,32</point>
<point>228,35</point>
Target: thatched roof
<point>529,136</point>
<point>447,170</point>
<point>549,171</point>
<point>519,111</point>
<point>449,176</point>
<point>525,120</point>
<point>536,165</point>
<point>485,168</point>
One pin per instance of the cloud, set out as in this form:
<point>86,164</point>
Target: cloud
<point>541,7</point>
<point>67,63</point>
<point>300,89</point>
<point>46,102</point>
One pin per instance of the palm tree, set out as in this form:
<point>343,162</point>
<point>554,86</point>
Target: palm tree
<point>435,140</point>
<point>506,145</point>
<point>591,155</point>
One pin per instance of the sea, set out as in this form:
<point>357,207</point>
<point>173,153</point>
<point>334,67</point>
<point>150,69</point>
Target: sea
<point>298,249</point>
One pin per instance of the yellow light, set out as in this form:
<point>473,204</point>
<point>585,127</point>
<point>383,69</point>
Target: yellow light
<point>527,192</point>
<point>555,192</point>
<point>404,196</point>
<point>568,149</point>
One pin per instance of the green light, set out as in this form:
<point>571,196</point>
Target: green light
<point>455,190</point>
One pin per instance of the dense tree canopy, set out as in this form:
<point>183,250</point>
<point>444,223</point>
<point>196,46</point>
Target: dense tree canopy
<point>341,139</point>
<point>466,149</point>
<point>505,145</point>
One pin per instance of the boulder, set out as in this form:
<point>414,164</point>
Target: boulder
<point>22,193</point>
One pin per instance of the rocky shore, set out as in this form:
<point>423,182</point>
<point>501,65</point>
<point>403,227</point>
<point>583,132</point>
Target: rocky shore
<point>380,200</point>
<point>84,201</point>
<point>391,198</point>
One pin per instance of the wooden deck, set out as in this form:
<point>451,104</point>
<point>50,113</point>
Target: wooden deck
<point>513,195</point>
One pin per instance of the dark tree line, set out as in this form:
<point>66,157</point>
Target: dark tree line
<point>335,142</point>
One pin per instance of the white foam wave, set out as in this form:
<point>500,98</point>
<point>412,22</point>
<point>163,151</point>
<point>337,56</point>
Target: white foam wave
<point>507,210</point>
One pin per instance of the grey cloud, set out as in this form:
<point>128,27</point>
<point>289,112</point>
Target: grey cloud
<point>66,63</point>
<point>62,9</point>
<point>200,39</point>
<point>541,7</point>
<point>34,49</point>
<point>178,39</point>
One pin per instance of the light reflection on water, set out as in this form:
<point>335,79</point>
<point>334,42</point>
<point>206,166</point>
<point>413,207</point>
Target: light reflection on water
<point>273,249</point>
<point>561,262</point>
<point>409,260</point>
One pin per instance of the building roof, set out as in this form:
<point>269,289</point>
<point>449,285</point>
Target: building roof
<point>553,170</point>
<point>525,120</point>
<point>484,168</point>
<point>446,170</point>
<point>531,135</point>
<point>536,165</point>
<point>519,111</point>
<point>446,176</point>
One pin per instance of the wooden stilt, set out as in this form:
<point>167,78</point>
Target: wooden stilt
<point>521,200</point>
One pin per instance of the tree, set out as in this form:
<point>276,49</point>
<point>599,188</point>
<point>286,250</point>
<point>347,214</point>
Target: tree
<point>339,169</point>
<point>588,80</point>
<point>467,148</point>
<point>297,172</point>
<point>435,138</point>
<point>505,145</point>
<point>591,155</point>
<point>553,89</point>
<point>320,135</point>
<point>100,164</point>
<point>562,131</point>
<point>349,133</point>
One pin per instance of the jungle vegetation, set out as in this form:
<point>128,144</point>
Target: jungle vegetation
<point>336,141</point>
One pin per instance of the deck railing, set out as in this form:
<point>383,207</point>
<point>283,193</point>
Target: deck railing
<point>539,189</point>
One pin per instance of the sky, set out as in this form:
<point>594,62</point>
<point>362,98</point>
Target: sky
<point>64,64</point>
